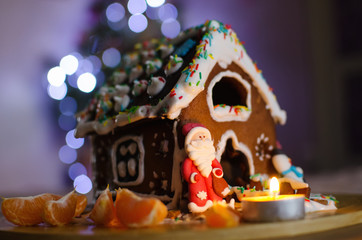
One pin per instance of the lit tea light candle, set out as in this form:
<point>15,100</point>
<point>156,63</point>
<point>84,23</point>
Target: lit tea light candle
<point>274,207</point>
<point>274,187</point>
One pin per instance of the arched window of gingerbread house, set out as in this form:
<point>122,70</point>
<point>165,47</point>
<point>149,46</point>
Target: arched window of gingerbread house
<point>229,97</point>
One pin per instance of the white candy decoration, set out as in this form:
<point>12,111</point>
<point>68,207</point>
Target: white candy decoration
<point>173,65</point>
<point>135,73</point>
<point>130,59</point>
<point>122,90</point>
<point>103,90</point>
<point>156,85</point>
<point>119,77</point>
<point>153,66</point>
<point>166,50</point>
<point>139,87</point>
<point>148,54</point>
<point>121,103</point>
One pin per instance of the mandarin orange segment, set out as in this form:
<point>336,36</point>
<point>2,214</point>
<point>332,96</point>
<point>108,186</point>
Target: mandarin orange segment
<point>81,205</point>
<point>60,212</point>
<point>221,215</point>
<point>134,211</point>
<point>26,211</point>
<point>103,212</point>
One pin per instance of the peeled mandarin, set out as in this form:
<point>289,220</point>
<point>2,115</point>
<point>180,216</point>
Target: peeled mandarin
<point>134,211</point>
<point>103,212</point>
<point>81,205</point>
<point>26,211</point>
<point>60,212</point>
<point>221,216</point>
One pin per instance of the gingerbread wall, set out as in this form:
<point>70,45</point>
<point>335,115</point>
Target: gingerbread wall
<point>260,120</point>
<point>158,143</point>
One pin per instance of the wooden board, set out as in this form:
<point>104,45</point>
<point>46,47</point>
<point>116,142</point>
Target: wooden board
<point>349,213</point>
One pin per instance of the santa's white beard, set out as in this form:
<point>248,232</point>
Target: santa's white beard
<point>202,152</point>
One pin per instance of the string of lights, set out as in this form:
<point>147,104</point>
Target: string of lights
<point>80,73</point>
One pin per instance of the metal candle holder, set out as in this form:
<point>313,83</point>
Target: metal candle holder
<point>273,208</point>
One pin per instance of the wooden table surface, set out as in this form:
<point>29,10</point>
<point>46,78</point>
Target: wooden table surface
<point>344,223</point>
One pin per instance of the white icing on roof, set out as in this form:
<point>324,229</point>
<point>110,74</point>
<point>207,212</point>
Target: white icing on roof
<point>223,46</point>
<point>219,44</point>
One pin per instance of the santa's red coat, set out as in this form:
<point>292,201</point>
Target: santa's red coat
<point>202,184</point>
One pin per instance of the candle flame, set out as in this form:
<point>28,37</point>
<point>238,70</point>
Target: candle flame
<point>274,186</point>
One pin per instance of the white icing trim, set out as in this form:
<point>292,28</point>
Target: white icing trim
<point>214,172</point>
<point>192,177</point>
<point>176,183</point>
<point>237,146</point>
<point>194,208</point>
<point>141,171</point>
<point>222,117</point>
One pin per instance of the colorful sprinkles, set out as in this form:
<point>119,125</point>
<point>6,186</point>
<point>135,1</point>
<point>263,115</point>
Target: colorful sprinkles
<point>150,59</point>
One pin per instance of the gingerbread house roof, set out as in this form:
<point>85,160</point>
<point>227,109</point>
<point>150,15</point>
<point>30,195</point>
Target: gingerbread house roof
<point>161,77</point>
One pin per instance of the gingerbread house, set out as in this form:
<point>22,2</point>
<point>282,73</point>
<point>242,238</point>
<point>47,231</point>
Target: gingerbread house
<point>205,76</point>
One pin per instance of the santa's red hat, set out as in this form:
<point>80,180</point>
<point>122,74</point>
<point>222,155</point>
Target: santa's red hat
<point>190,129</point>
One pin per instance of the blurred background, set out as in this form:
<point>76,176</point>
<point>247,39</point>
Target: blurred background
<point>51,53</point>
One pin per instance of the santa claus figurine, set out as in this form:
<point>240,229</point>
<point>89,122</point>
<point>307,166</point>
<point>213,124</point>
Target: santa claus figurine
<point>201,169</point>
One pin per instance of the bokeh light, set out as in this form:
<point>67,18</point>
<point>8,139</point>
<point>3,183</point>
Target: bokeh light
<point>111,57</point>
<point>155,3</point>
<point>67,154</point>
<point>69,64</point>
<point>100,78</point>
<point>56,76</point>
<point>57,93</point>
<point>152,13</point>
<point>170,28</point>
<point>67,122</point>
<point>86,82</point>
<point>73,142</point>
<point>68,106</point>
<point>117,26</point>
<point>85,72</point>
<point>82,184</point>
<point>96,63</point>
<point>85,65</point>
<point>137,23</point>
<point>76,169</point>
<point>115,12</point>
<point>167,11</point>
<point>136,6</point>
